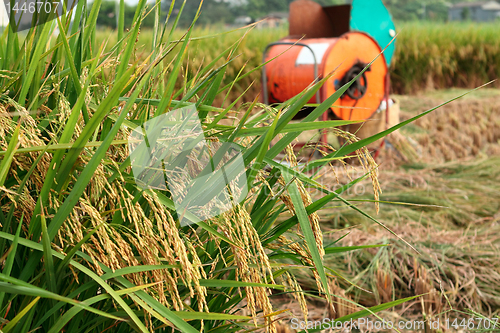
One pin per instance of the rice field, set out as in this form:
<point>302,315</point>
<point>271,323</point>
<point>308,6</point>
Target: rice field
<point>428,55</point>
<point>88,245</point>
<point>431,55</point>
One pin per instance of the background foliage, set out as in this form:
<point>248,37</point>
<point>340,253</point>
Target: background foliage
<point>216,12</point>
<point>428,55</point>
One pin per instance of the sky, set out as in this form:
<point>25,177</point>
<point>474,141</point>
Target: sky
<point>4,19</point>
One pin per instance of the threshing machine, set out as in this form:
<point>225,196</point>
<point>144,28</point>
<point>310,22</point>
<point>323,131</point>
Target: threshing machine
<point>340,39</point>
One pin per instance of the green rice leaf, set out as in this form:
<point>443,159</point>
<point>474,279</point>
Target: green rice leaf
<point>305,226</point>
<point>262,152</point>
<point>9,155</point>
<point>10,257</point>
<point>235,284</point>
<point>208,316</point>
<point>343,249</point>
<point>14,286</point>
<point>47,255</point>
<point>19,316</point>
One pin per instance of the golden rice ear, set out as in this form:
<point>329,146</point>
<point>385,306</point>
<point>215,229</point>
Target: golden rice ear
<point>252,262</point>
<point>29,136</point>
<point>292,285</point>
<point>363,156</point>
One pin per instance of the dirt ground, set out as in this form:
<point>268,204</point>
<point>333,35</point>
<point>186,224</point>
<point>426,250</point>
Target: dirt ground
<point>440,181</point>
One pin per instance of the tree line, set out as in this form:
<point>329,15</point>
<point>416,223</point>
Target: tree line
<point>224,12</point>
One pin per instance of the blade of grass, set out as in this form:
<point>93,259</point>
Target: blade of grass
<point>47,255</point>
<point>305,226</point>
<point>236,284</point>
<point>9,154</point>
<point>263,150</point>
<point>17,287</point>
<point>10,326</point>
<point>343,249</point>
<point>73,72</point>
<point>10,258</point>
<point>68,315</point>
<point>209,316</point>
<point>125,57</point>
<point>168,94</point>
<point>33,65</point>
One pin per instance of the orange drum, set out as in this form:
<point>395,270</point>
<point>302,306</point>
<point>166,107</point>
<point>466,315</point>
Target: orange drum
<point>294,70</point>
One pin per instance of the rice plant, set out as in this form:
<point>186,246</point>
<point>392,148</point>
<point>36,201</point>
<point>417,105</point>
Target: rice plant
<point>433,55</point>
<point>428,55</point>
<point>84,248</point>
